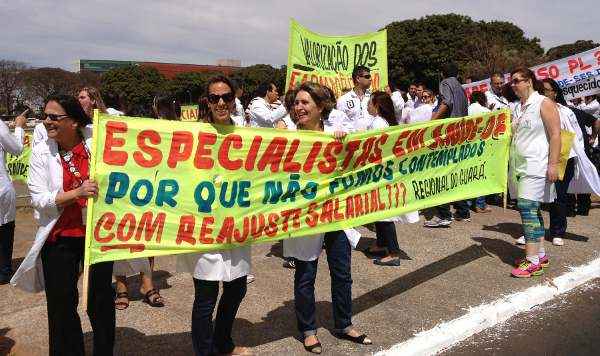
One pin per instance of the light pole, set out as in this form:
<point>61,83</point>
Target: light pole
<point>189,96</point>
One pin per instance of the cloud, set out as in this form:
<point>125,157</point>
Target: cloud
<point>58,33</point>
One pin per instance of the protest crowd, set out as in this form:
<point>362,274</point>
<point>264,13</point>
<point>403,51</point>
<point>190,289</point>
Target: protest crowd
<point>59,185</point>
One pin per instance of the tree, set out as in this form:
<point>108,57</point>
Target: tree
<point>40,82</point>
<point>188,87</point>
<point>10,83</point>
<point>132,88</point>
<point>569,49</point>
<point>418,48</point>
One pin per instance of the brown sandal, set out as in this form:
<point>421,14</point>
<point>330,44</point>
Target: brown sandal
<point>122,305</point>
<point>156,302</point>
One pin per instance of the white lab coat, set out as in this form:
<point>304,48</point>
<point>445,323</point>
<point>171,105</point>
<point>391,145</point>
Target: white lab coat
<point>477,109</point>
<point>13,144</point>
<point>585,178</point>
<point>45,181</point>
<point>225,265</point>
<point>355,109</point>
<point>499,101</point>
<point>262,115</point>
<point>398,102</point>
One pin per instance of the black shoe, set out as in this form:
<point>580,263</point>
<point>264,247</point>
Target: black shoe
<point>315,348</point>
<point>571,213</point>
<point>583,212</point>
<point>392,263</point>
<point>361,339</point>
<point>4,278</point>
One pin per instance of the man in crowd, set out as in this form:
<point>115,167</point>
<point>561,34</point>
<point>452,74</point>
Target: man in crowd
<point>411,96</point>
<point>260,111</point>
<point>453,104</point>
<point>495,100</point>
<point>354,103</point>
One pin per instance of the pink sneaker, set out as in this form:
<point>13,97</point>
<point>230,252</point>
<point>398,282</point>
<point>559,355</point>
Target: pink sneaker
<point>527,269</point>
<point>544,261</point>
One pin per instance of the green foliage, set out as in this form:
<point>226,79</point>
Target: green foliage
<point>132,88</point>
<point>418,48</point>
<point>570,49</point>
<point>188,87</point>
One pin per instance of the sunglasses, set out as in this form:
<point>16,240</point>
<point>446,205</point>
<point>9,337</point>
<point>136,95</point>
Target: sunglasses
<point>227,97</point>
<point>54,117</point>
<point>366,76</point>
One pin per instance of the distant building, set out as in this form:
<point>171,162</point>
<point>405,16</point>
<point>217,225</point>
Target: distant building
<point>169,70</point>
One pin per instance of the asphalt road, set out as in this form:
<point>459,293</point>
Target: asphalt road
<point>569,325</point>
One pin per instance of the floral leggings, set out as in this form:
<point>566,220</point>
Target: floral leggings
<point>531,218</point>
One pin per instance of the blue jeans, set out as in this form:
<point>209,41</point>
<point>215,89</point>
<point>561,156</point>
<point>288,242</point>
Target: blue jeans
<point>558,211</point>
<point>480,202</point>
<point>338,258</point>
<point>205,340</point>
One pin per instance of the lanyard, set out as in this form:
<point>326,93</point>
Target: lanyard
<point>67,157</point>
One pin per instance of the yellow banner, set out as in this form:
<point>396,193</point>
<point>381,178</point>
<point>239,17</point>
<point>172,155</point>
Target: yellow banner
<point>173,187</point>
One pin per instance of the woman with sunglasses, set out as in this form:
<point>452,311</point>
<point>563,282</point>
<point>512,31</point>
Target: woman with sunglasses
<point>231,267</point>
<point>311,108</point>
<point>59,185</point>
<point>424,111</point>
<point>534,156</point>
<point>13,144</point>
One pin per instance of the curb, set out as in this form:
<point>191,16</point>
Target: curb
<point>479,318</point>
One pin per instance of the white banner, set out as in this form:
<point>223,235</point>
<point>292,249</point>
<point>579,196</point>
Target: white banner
<point>587,87</point>
<point>567,71</point>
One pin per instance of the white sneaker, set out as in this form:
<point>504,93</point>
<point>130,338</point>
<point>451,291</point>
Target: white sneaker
<point>250,278</point>
<point>557,241</point>
<point>521,240</point>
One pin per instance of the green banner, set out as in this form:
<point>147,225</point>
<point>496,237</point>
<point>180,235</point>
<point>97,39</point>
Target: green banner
<point>169,187</point>
<point>329,60</point>
<point>18,166</point>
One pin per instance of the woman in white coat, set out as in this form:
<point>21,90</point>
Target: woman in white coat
<point>59,186</point>
<point>312,107</point>
<point>231,267</point>
<point>381,109</point>
<point>580,175</point>
<point>12,144</point>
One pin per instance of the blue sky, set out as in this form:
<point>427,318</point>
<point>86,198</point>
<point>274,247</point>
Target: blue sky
<point>58,33</point>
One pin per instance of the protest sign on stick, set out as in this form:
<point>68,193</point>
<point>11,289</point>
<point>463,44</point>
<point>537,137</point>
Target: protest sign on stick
<point>169,187</point>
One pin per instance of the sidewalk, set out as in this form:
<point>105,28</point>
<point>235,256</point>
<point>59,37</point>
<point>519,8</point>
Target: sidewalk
<point>443,273</point>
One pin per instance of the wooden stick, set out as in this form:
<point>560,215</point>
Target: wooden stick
<point>504,200</point>
<point>86,283</point>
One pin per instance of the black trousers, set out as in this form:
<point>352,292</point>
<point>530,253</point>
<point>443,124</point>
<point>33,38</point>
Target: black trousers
<point>7,238</point>
<point>386,236</point>
<point>559,209</point>
<point>61,261</point>
<point>207,340</point>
